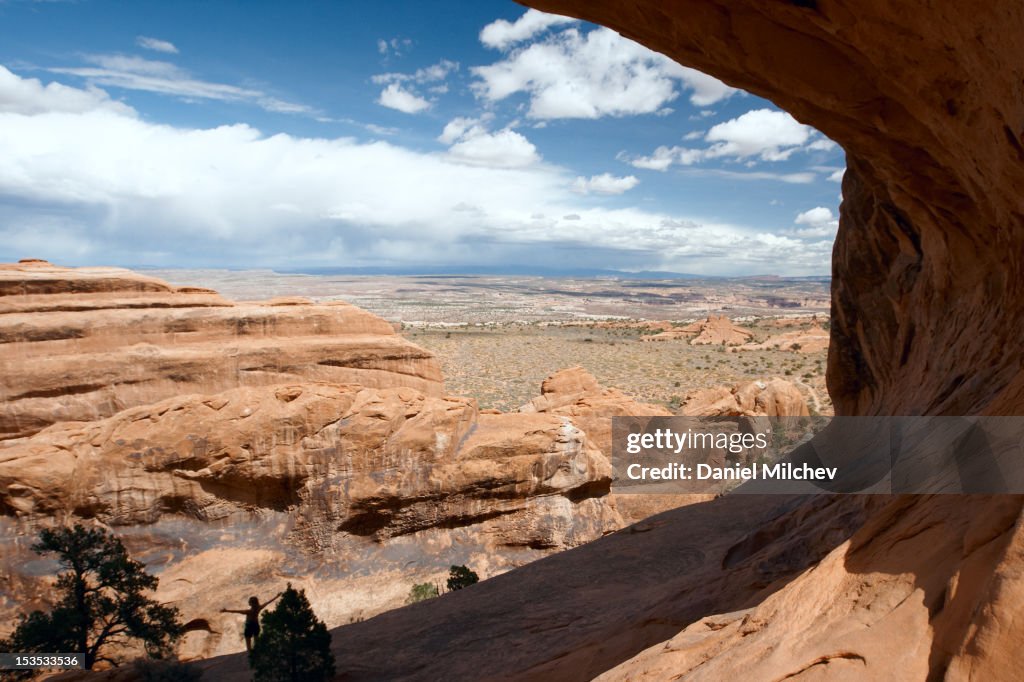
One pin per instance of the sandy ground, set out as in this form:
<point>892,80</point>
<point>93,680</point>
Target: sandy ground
<point>502,366</point>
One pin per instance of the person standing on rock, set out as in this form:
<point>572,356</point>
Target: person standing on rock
<point>252,618</point>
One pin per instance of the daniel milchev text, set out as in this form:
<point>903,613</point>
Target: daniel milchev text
<point>668,440</point>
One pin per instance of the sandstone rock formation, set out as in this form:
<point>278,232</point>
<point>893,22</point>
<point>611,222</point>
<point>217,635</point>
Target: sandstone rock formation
<point>716,330</point>
<point>575,393</point>
<point>389,480</point>
<point>773,398</point>
<point>356,491</point>
<point>84,343</point>
<point>366,462</point>
<point>813,339</point>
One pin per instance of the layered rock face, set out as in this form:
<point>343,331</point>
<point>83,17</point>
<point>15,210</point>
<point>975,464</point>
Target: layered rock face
<point>353,490</point>
<point>79,344</point>
<point>367,462</point>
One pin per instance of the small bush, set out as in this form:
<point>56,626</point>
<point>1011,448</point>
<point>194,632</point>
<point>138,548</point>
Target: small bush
<point>421,592</point>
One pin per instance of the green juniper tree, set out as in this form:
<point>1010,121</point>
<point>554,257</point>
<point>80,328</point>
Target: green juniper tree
<point>101,601</point>
<point>293,645</point>
<point>461,576</point>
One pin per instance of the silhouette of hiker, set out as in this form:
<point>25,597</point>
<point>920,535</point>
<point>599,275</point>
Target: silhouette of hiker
<point>252,618</point>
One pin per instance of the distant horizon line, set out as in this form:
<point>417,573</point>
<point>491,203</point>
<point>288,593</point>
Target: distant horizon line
<point>481,271</point>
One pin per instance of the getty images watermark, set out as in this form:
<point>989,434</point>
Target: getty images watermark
<point>787,455</point>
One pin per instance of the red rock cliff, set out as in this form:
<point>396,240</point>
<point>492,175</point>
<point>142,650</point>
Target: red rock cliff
<point>78,344</point>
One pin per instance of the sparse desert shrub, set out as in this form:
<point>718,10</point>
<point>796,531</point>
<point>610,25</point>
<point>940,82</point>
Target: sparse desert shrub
<point>421,592</point>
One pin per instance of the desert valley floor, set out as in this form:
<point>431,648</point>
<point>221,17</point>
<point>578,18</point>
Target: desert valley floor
<point>498,337</point>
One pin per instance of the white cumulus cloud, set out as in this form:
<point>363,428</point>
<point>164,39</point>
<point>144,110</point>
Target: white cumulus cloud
<point>605,183</point>
<point>502,33</point>
<point>762,134</point>
<point>395,96</point>
<point>29,96</point>
<point>816,223</point>
<point>771,135</point>
<point>573,74</point>
<point>503,149</point>
<point>472,142</point>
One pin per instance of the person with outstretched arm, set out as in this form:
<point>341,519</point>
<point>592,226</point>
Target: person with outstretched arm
<point>252,618</point>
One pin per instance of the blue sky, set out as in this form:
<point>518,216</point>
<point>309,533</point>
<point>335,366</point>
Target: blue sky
<point>399,134</point>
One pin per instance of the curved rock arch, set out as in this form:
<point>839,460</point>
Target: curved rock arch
<point>927,99</point>
<point>928,102</point>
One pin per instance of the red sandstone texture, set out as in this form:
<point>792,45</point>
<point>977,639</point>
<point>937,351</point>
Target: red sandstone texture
<point>773,398</point>
<point>78,344</point>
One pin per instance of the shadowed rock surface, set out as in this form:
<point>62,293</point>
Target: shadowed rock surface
<point>573,615</point>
